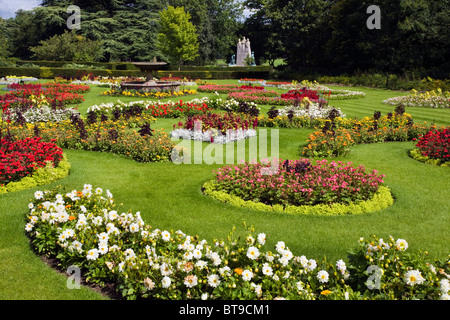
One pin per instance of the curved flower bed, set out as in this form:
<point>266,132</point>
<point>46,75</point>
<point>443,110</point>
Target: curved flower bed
<point>434,147</point>
<point>380,200</point>
<point>298,182</point>
<point>21,158</point>
<point>40,176</point>
<point>84,228</point>
<point>156,95</point>
<point>428,99</point>
<point>227,88</point>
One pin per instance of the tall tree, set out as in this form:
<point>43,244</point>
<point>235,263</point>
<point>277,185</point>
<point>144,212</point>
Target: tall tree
<point>177,38</point>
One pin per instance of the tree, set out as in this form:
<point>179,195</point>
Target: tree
<point>68,47</point>
<point>177,38</point>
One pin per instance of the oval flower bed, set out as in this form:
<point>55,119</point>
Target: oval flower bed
<point>84,228</point>
<point>433,147</point>
<point>299,186</point>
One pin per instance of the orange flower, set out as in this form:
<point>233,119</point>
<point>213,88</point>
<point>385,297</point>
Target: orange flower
<point>71,218</point>
<point>238,271</point>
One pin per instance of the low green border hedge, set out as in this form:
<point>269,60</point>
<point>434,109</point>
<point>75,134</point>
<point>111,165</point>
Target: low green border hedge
<point>381,200</point>
<point>40,177</point>
<point>416,155</point>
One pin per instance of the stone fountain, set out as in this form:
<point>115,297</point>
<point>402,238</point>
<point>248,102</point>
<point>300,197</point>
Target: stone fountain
<point>150,84</point>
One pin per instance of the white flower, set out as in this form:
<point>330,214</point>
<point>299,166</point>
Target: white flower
<point>29,227</point>
<point>213,280</point>
<point>444,285</point>
<point>201,264</point>
<point>280,247</point>
<point>261,238</point>
<point>165,282</point>
<point>30,205</point>
<point>247,275</point>
<point>134,227</point>
<point>165,269</point>
<point>112,215</point>
<point>197,254</point>
<point>413,277</point>
<point>401,245</point>
<point>190,281</point>
<point>311,265</point>
<point>98,191</point>
<point>258,290</point>
<point>38,195</point>
<point>225,271</point>
<point>267,270</point>
<point>445,296</point>
<point>149,284</point>
<point>340,264</point>
<point>253,253</point>
<point>165,235</point>
<point>103,248</point>
<point>322,275</point>
<point>92,254</point>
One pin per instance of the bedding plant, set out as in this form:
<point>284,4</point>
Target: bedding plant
<point>433,147</point>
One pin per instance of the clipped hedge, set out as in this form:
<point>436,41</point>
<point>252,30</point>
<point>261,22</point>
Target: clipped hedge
<point>381,200</point>
<point>225,73</point>
<point>47,73</point>
<point>41,176</point>
<point>417,155</point>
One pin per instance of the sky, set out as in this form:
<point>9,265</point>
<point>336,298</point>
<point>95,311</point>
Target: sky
<point>9,7</point>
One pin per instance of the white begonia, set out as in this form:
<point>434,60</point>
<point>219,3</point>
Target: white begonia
<point>340,265</point>
<point>197,254</point>
<point>165,269</point>
<point>190,281</point>
<point>134,227</point>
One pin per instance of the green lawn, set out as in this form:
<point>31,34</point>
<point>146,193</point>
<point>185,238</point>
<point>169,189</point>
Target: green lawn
<point>169,197</point>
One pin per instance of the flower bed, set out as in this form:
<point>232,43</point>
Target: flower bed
<point>84,228</point>
<point>428,99</point>
<point>227,88</point>
<point>216,128</point>
<point>40,176</point>
<point>337,136</point>
<point>435,146</point>
<point>156,95</point>
<point>141,144</point>
<point>169,109</point>
<point>21,158</point>
<point>299,182</point>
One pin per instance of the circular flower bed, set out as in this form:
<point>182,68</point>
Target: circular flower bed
<point>21,158</point>
<point>298,183</point>
<point>434,147</point>
<point>84,228</point>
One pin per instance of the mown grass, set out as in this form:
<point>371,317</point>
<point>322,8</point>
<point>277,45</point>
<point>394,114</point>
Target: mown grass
<point>169,196</point>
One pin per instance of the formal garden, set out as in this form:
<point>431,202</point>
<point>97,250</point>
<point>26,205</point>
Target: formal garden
<point>355,210</point>
<point>169,163</point>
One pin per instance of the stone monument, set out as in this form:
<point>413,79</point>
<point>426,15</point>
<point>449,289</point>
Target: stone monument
<point>243,52</point>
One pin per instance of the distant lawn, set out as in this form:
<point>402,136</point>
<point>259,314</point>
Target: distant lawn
<point>169,197</point>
